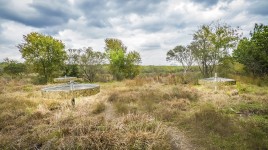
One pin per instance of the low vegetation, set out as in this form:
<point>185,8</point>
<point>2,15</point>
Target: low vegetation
<point>135,114</point>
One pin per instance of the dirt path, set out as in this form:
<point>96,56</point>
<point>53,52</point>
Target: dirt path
<point>178,139</point>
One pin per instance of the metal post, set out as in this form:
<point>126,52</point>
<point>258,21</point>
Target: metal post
<point>71,89</point>
<point>216,81</point>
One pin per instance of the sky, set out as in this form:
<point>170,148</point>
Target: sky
<point>150,27</point>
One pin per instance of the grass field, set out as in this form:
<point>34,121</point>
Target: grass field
<point>148,112</point>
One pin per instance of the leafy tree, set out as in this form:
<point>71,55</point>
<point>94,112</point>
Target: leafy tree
<point>211,43</point>
<point>253,52</point>
<point>45,53</point>
<point>122,64</point>
<point>14,68</point>
<point>71,66</point>
<point>202,50</point>
<point>91,63</point>
<point>132,69</point>
<point>183,55</point>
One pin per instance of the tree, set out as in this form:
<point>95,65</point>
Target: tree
<point>45,53</point>
<point>71,66</point>
<point>91,63</point>
<point>183,55</point>
<point>132,60</point>
<point>14,68</point>
<point>211,43</point>
<point>122,64</point>
<point>253,52</point>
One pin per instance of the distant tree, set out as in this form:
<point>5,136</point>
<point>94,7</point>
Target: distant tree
<point>115,45</point>
<point>253,52</point>
<point>71,64</point>
<point>182,55</point>
<point>45,53</point>
<point>211,43</point>
<point>14,68</point>
<point>122,64</point>
<point>132,68</point>
<point>90,62</point>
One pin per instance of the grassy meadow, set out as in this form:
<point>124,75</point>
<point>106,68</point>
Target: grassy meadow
<point>152,111</point>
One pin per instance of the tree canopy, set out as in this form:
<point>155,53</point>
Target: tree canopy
<point>45,53</point>
<point>253,52</point>
<point>90,63</point>
<point>211,44</point>
<point>183,55</point>
<point>122,64</point>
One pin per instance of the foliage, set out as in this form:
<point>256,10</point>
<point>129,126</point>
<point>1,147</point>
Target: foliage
<point>122,64</point>
<point>227,66</point>
<point>71,65</point>
<point>162,69</point>
<point>45,53</point>
<point>14,68</point>
<point>87,63</point>
<point>211,43</point>
<point>183,55</point>
<point>253,52</point>
<point>90,62</point>
<point>131,64</point>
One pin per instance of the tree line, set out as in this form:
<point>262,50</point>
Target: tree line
<point>218,44</point>
<point>214,45</point>
<point>47,57</point>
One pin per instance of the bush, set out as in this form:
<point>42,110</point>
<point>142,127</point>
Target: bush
<point>39,80</point>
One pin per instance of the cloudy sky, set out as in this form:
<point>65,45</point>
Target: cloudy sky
<point>151,27</point>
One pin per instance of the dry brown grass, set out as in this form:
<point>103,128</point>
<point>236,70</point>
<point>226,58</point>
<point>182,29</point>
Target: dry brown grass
<point>29,121</point>
<point>134,114</point>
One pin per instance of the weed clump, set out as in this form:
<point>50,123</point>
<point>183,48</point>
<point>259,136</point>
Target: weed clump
<point>98,108</point>
<point>54,106</point>
<point>113,97</point>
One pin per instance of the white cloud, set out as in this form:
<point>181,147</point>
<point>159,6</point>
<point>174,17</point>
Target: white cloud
<point>12,33</point>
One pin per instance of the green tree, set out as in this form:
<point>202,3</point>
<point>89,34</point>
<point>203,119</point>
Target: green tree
<point>122,64</point>
<point>14,68</point>
<point>45,53</point>
<point>211,43</point>
<point>90,62</point>
<point>253,52</point>
<point>183,55</point>
<point>132,68</point>
<point>71,64</point>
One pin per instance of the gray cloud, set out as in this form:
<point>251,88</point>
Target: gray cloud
<point>206,3</point>
<point>141,7</point>
<point>99,12</point>
<point>259,7</point>
<point>150,46</point>
<point>118,7</point>
<point>39,13</point>
<point>144,25</point>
